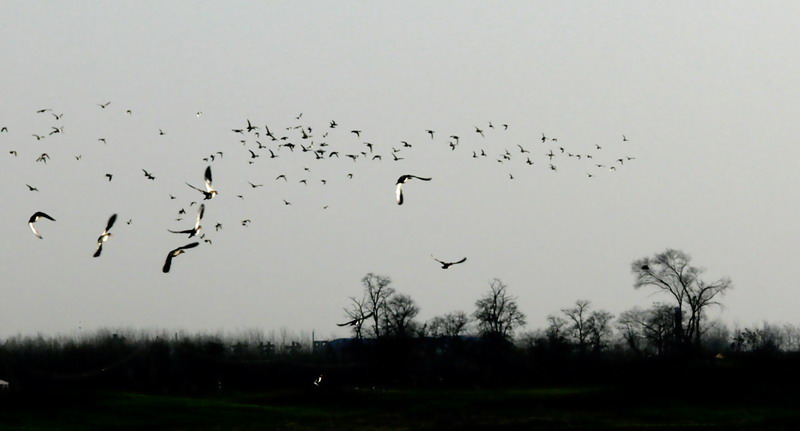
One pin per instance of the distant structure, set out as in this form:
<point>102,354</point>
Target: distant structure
<point>318,345</point>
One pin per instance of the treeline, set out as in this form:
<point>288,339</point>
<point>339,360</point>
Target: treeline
<point>203,363</point>
<point>670,342</point>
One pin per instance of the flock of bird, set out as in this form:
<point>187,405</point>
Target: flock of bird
<point>310,143</point>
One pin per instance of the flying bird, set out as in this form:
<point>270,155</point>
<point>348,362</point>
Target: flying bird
<point>446,265</point>
<point>193,231</point>
<point>34,218</point>
<point>32,188</point>
<point>148,175</point>
<point>355,321</point>
<point>105,235</point>
<point>176,252</point>
<point>402,180</point>
<point>209,192</point>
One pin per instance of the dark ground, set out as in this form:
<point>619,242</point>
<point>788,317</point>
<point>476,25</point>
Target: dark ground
<point>600,408</point>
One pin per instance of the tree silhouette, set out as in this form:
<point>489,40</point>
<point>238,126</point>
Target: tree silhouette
<point>599,330</point>
<point>399,313</point>
<point>497,312</point>
<point>671,272</point>
<point>652,331</point>
<point>357,313</point>
<point>578,316</point>
<point>377,291</point>
<point>449,325</point>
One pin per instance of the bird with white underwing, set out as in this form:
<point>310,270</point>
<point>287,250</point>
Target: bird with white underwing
<point>399,186</point>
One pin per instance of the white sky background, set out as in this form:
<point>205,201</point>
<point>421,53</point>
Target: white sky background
<point>706,92</point>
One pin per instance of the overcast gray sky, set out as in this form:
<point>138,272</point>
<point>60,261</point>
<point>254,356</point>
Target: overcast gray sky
<point>706,93</point>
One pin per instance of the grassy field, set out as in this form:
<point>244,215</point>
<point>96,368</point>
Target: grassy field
<point>488,409</point>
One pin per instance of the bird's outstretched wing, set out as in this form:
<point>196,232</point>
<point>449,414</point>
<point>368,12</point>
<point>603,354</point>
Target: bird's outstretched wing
<point>111,221</point>
<point>399,193</point>
<point>35,232</point>
<point>173,253</point>
<point>38,214</point>
<point>356,320</point>
<point>208,180</point>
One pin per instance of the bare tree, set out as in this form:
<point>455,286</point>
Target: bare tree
<point>399,313</point>
<point>357,313</point>
<point>497,312</point>
<point>449,325</point>
<point>377,291</point>
<point>653,330</point>
<point>555,332</point>
<point>671,272</point>
<point>578,316</point>
<point>598,327</point>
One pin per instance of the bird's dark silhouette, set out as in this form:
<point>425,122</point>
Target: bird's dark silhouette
<point>209,192</point>
<point>399,186</point>
<point>176,252</point>
<point>34,218</point>
<point>105,235</point>
<point>446,265</point>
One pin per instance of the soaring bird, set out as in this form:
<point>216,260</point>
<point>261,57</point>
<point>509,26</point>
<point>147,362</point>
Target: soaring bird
<point>32,188</point>
<point>148,175</point>
<point>193,231</point>
<point>356,320</point>
<point>105,235</point>
<point>104,105</point>
<point>34,218</point>
<point>446,265</point>
<point>402,180</point>
<point>176,252</point>
<point>209,192</point>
